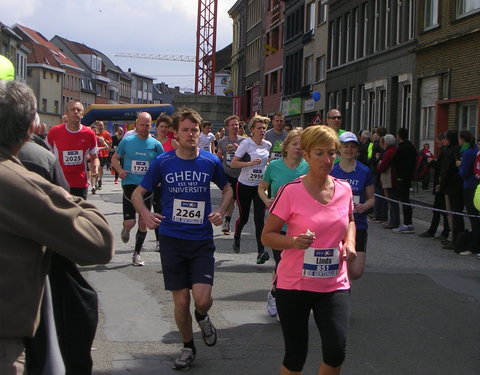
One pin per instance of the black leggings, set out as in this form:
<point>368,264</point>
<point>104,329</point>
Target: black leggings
<point>331,312</point>
<point>245,195</point>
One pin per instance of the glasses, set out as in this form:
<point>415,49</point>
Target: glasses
<point>336,117</point>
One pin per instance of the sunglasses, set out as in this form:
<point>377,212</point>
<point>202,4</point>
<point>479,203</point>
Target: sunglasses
<point>336,117</point>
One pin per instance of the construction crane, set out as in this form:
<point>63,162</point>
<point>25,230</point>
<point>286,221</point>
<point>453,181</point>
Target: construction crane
<point>151,56</point>
<point>205,58</point>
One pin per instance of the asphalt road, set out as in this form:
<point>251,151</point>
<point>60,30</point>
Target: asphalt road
<point>416,310</point>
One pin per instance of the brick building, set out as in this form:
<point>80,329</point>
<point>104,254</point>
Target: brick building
<point>447,58</point>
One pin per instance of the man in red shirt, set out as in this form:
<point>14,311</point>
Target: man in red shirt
<point>72,142</point>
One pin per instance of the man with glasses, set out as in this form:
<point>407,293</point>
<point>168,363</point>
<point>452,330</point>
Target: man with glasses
<point>334,120</point>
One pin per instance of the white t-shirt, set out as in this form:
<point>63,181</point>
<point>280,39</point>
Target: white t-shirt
<point>248,150</point>
<point>205,141</point>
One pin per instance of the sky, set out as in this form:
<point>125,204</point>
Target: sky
<point>134,26</point>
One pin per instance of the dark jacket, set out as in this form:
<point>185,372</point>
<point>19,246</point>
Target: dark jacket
<point>450,181</point>
<point>405,160</point>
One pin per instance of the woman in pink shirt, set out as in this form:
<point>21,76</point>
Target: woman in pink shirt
<point>320,239</point>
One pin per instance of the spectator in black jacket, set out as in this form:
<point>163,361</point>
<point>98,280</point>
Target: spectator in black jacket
<point>404,161</point>
<point>439,199</point>
<point>451,185</point>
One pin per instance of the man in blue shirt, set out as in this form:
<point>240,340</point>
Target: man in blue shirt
<point>137,152</point>
<point>185,226</point>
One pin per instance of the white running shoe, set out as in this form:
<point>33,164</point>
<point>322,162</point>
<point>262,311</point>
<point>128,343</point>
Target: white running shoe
<point>209,333</point>
<point>271,308</point>
<point>185,359</point>
<point>137,260</point>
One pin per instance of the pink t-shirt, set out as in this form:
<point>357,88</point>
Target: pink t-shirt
<point>320,268</point>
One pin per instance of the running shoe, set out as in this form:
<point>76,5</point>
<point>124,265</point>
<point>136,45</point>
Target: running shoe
<point>94,191</point>
<point>115,182</point>
<point>226,228</point>
<point>425,234</point>
<point>209,333</point>
<point>137,260</point>
<point>404,229</point>
<point>99,185</point>
<point>184,360</point>
<point>236,245</point>
<point>263,257</point>
<point>271,308</point>
<point>125,235</point>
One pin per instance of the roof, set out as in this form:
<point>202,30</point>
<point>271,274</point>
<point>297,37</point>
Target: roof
<point>48,49</point>
<point>76,48</point>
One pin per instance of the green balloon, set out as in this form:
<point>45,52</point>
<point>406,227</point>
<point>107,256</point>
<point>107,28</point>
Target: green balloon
<point>7,71</point>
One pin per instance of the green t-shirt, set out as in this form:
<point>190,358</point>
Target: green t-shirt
<point>278,174</point>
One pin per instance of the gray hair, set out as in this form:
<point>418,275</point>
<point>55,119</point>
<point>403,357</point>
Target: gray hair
<point>390,140</point>
<point>18,107</point>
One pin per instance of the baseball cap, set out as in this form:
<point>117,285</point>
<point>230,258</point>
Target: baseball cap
<point>348,137</point>
<point>7,71</point>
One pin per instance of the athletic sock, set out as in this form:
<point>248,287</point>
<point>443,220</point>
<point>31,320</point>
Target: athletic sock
<point>139,240</point>
<point>199,317</point>
<point>191,345</point>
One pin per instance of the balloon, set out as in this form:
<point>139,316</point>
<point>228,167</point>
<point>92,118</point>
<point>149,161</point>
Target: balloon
<point>316,96</point>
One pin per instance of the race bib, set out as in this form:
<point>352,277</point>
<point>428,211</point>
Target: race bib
<point>255,175</point>
<point>72,157</point>
<point>139,167</point>
<point>356,199</point>
<point>207,147</point>
<point>229,157</point>
<point>190,212</point>
<point>276,155</point>
<point>321,263</point>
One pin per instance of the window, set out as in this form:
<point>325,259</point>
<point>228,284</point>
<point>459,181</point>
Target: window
<point>320,69</point>
<point>363,104</point>
<point>331,104</point>
<point>356,27</point>
<point>467,6</point>
<point>467,117</point>
<point>387,24</point>
<point>376,26</point>
<point>365,29</point>
<point>56,106</point>
<point>58,77</point>
<point>340,41</point>
<point>353,106</point>
<point>399,22</point>
<point>411,19</point>
<point>44,105</point>
<point>44,74</point>
<point>406,105</point>
<point>322,12</point>
<point>427,121</point>
<point>332,44</point>
<point>371,109</point>
<point>310,21</point>
<point>308,71</point>
<point>347,38</point>
<point>382,107</point>
<point>273,83</point>
<point>431,14</point>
